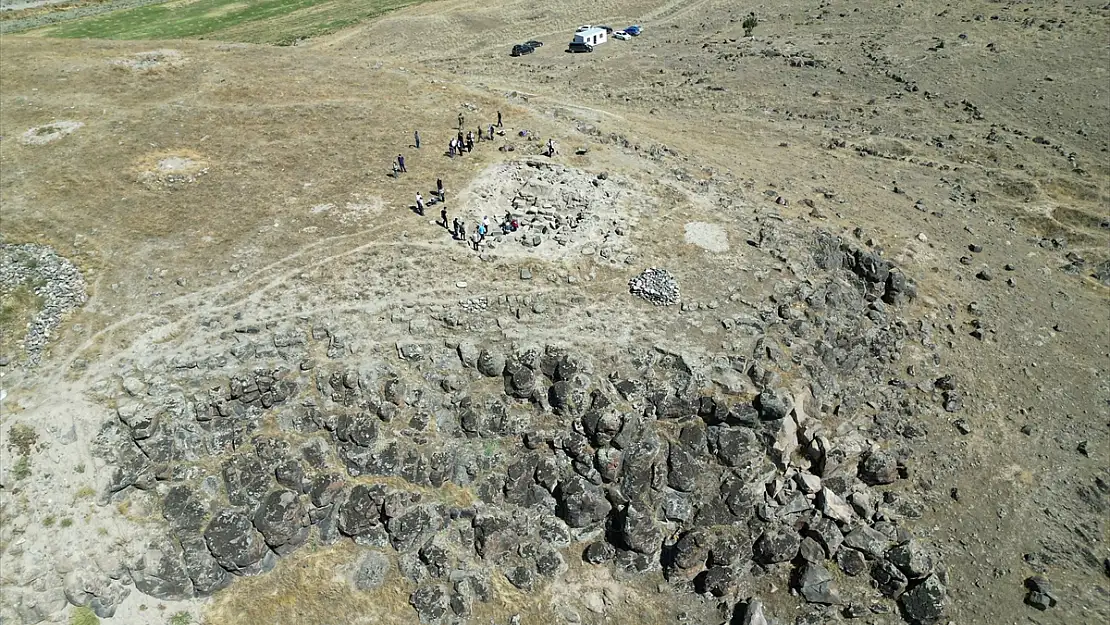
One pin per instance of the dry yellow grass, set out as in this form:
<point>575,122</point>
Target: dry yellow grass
<point>310,588</point>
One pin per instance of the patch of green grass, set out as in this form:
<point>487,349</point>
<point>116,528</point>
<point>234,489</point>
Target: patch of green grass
<point>48,521</point>
<point>83,616</point>
<point>85,492</point>
<point>279,22</point>
<point>21,470</point>
<point>66,522</point>
<point>181,618</point>
<point>22,438</point>
<point>79,468</point>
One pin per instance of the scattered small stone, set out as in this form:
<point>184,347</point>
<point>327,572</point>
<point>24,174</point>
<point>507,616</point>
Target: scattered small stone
<point>962,426</point>
<point>984,275</point>
<point>975,248</point>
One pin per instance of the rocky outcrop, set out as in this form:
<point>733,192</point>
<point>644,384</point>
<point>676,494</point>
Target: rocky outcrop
<point>506,459</point>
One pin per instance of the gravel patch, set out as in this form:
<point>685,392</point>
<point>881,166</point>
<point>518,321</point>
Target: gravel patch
<point>657,286</point>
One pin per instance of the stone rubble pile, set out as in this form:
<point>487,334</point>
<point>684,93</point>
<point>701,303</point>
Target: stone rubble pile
<point>554,204</point>
<point>54,279</point>
<point>657,286</point>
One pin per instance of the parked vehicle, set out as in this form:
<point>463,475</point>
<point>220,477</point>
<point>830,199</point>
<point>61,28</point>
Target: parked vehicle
<point>634,30</point>
<point>607,29</point>
<point>582,28</point>
<point>522,49</point>
<point>579,47</point>
<point>594,36</point>
<point>620,34</point>
<point>534,43</point>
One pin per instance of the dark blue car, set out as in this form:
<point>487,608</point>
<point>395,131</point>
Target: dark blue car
<point>633,30</point>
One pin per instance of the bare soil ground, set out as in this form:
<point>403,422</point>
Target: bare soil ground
<point>253,182</point>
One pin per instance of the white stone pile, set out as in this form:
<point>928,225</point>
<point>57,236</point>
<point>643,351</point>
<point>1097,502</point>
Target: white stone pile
<point>655,285</point>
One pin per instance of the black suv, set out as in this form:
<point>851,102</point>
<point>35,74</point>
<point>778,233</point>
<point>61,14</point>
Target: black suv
<point>579,47</point>
<point>521,49</point>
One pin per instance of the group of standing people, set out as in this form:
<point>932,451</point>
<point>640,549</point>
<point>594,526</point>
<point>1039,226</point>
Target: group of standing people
<point>456,147</point>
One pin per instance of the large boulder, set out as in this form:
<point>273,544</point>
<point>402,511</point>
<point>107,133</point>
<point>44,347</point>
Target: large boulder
<point>642,473</point>
<point>94,589</point>
<point>750,612</point>
<point>815,583</point>
<point>682,468</point>
<point>717,581</point>
<point>495,537</point>
<point>283,521</point>
<point>361,513</point>
<point>599,552</point>
<point>206,574</point>
<point>774,404</point>
<point>568,398</point>
<point>687,556</point>
<point>868,540</point>
<point>521,383</point>
<point>360,429</point>
<point>912,559</point>
<point>159,572</point>
<point>430,602</point>
<point>878,467</point>
<point>491,364</point>
<point>414,527</point>
<point>924,604</point>
<point>236,544</point>
<point>247,481</point>
<point>183,509</point>
<point>326,490</point>
<point>735,446</point>
<point>580,503</point>
<point>131,468</point>
<point>888,579</point>
<point>638,531</point>
<point>291,475</point>
<point>779,545</point>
